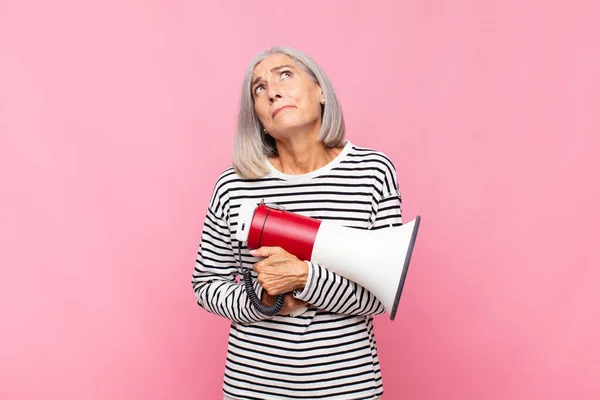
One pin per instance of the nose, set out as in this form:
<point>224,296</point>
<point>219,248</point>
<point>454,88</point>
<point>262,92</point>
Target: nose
<point>273,93</point>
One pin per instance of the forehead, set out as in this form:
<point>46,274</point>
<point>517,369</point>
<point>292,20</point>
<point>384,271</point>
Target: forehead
<point>272,61</point>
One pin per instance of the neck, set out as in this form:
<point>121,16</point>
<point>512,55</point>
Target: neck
<point>302,155</point>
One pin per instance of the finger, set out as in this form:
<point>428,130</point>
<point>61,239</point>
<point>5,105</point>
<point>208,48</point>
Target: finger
<point>275,290</point>
<point>275,260</point>
<point>258,266</point>
<point>266,251</point>
<point>262,265</point>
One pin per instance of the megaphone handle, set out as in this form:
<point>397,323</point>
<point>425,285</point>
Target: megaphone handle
<point>260,307</point>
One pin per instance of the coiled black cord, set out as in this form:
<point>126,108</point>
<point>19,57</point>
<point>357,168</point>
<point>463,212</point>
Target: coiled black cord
<point>260,307</point>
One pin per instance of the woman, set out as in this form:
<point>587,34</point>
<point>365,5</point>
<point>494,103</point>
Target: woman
<point>290,150</point>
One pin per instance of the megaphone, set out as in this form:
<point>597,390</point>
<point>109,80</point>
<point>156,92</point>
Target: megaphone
<point>376,260</point>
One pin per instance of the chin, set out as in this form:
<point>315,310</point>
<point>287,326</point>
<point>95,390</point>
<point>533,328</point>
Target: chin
<point>292,127</point>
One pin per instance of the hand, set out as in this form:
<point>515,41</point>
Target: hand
<point>280,272</point>
<point>290,303</point>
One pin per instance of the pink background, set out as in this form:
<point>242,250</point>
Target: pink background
<point>117,116</point>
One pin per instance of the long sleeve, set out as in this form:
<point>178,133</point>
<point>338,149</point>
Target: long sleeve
<point>214,278</point>
<point>332,292</point>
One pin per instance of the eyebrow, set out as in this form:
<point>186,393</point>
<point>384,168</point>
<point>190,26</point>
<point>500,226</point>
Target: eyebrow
<point>274,69</point>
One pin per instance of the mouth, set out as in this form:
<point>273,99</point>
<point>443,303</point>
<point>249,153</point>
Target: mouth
<point>277,111</point>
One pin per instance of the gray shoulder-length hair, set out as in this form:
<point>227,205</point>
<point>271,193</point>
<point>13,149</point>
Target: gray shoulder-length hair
<point>252,146</point>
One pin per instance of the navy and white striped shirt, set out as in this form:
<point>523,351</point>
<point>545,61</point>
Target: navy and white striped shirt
<point>329,352</point>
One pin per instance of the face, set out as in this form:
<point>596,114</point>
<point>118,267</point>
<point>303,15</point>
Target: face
<point>285,98</point>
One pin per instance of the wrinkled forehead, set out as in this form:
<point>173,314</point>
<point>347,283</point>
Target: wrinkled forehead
<point>263,68</point>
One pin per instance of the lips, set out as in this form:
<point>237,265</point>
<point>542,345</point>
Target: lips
<point>277,111</point>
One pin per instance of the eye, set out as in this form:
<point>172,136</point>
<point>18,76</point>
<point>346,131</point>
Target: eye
<point>286,74</point>
<point>259,89</point>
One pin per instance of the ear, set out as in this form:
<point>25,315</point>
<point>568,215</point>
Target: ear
<point>321,96</point>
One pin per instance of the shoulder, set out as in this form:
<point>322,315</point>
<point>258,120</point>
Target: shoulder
<point>222,186</point>
<point>370,155</point>
<point>378,163</point>
<point>229,184</point>
<point>225,180</point>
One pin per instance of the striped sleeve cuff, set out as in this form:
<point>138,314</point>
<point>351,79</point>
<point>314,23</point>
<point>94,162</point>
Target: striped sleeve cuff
<point>309,287</point>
